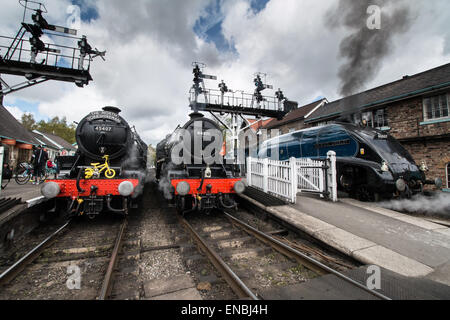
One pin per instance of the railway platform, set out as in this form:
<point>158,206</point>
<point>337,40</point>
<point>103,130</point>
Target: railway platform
<point>408,246</point>
<point>13,221</point>
<point>26,192</point>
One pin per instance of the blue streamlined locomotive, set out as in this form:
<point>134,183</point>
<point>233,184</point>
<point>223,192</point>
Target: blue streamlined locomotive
<point>370,163</point>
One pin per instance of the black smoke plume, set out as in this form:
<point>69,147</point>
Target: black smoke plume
<point>364,49</point>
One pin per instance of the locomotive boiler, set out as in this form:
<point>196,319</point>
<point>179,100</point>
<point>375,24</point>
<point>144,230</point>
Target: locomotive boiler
<point>370,163</point>
<point>192,181</point>
<point>108,171</point>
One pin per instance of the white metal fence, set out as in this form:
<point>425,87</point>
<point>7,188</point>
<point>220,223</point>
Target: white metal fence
<point>285,179</point>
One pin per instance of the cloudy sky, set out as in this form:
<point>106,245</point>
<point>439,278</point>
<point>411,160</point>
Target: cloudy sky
<point>151,44</point>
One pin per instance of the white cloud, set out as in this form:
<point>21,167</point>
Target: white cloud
<point>16,112</point>
<point>151,43</point>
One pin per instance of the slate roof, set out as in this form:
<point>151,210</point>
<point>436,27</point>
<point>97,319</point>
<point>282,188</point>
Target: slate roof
<point>60,141</point>
<point>10,128</point>
<point>420,83</point>
<point>40,137</point>
<point>295,115</point>
<point>258,124</point>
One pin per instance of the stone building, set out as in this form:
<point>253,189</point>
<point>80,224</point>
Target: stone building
<point>19,142</point>
<point>415,110</point>
<point>16,139</point>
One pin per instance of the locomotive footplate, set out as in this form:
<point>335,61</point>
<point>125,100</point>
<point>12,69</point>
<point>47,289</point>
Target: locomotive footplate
<point>105,187</point>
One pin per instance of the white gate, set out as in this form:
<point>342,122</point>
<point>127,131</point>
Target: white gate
<point>285,179</point>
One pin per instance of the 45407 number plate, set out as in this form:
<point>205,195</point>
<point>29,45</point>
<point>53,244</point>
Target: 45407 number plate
<point>103,128</point>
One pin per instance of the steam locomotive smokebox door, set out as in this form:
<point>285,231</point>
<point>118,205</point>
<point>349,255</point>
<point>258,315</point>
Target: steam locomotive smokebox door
<point>201,131</point>
<point>104,133</point>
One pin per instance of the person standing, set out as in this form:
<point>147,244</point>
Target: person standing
<point>40,158</point>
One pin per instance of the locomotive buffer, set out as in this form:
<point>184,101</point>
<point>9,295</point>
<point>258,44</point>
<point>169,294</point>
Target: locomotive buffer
<point>19,56</point>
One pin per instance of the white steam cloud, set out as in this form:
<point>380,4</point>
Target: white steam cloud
<point>438,204</point>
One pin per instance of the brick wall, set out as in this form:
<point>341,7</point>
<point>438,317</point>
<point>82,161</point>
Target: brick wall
<point>405,117</point>
<point>404,120</point>
<point>436,154</point>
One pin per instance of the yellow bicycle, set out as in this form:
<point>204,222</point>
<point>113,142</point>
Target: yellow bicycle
<point>98,168</point>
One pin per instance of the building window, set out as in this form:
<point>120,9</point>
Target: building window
<point>291,130</point>
<point>380,118</point>
<point>375,119</point>
<point>436,107</point>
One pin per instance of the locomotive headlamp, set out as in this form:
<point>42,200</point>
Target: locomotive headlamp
<point>126,188</point>
<point>239,187</point>
<point>183,188</point>
<point>208,173</point>
<point>423,167</point>
<point>384,166</point>
<point>50,190</point>
<point>401,185</point>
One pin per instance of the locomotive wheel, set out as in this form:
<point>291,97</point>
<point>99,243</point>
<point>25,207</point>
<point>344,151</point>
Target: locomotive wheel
<point>110,173</point>
<point>364,194</point>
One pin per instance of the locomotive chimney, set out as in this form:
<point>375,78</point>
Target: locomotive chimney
<point>112,109</point>
<point>196,115</point>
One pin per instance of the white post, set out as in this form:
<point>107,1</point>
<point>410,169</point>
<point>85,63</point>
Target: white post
<point>322,178</point>
<point>293,163</point>
<point>332,175</point>
<point>266,175</point>
<point>249,171</point>
<point>1,167</point>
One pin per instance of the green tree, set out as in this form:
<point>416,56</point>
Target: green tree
<point>56,126</point>
<point>28,121</point>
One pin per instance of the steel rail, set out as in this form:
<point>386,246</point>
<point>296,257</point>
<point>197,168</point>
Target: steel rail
<point>17,267</point>
<point>238,286</point>
<point>305,260</point>
<point>107,281</point>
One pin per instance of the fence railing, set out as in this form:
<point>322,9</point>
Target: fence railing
<point>237,98</point>
<point>65,57</point>
<point>285,179</point>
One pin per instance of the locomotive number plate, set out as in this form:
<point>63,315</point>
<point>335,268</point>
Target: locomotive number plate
<point>103,128</point>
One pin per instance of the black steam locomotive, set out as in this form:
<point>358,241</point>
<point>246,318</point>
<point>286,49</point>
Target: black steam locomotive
<point>371,164</point>
<point>195,183</point>
<point>108,171</point>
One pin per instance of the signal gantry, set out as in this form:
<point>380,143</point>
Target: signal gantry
<point>59,62</point>
<point>224,102</point>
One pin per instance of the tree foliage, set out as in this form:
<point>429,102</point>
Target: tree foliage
<point>56,126</point>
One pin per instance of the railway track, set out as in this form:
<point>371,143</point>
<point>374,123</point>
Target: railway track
<point>154,254</point>
<point>80,244</point>
<point>105,292</point>
<point>10,273</point>
<point>245,284</point>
